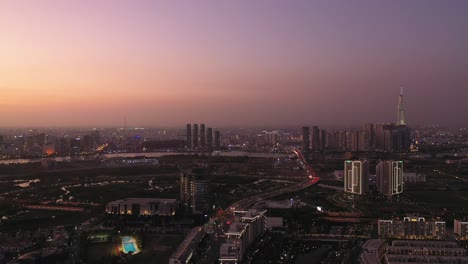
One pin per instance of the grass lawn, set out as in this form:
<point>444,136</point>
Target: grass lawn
<point>35,219</point>
<point>157,249</point>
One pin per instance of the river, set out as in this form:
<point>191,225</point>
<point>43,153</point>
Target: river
<point>149,155</point>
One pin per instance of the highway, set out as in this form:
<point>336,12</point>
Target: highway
<point>312,178</point>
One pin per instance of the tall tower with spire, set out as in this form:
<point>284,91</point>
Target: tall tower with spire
<point>401,110</point>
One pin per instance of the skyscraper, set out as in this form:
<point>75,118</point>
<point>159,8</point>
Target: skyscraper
<point>401,110</point>
<point>202,135</point>
<point>379,140</point>
<point>356,177</point>
<point>315,138</point>
<point>363,141</point>
<point>402,138</point>
<point>305,138</point>
<point>369,129</point>
<point>322,140</point>
<point>194,189</point>
<point>352,140</point>
<point>189,136</point>
<point>389,177</point>
<point>209,137</point>
<point>217,140</point>
<point>195,135</point>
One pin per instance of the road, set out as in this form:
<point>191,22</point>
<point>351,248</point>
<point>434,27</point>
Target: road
<point>312,178</point>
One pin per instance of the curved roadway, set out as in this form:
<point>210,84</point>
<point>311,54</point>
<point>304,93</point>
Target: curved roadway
<point>312,179</point>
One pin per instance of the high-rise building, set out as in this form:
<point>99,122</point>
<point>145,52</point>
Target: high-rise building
<point>202,135</point>
<point>189,136</point>
<point>389,177</point>
<point>392,138</point>
<point>217,139</point>
<point>2,145</point>
<point>379,137</point>
<point>195,135</point>
<point>356,177</point>
<point>352,140</point>
<point>340,139</point>
<point>389,137</point>
<point>267,138</point>
<point>315,138</point>
<point>305,138</point>
<point>401,111</point>
<point>402,140</point>
<point>330,141</point>
<point>460,228</point>
<point>209,137</point>
<point>370,130</point>
<point>322,140</point>
<point>194,189</point>
<point>364,142</point>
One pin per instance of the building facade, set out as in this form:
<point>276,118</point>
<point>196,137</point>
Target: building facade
<point>248,226</point>
<point>305,139</point>
<point>142,206</point>
<point>195,136</point>
<point>202,135</point>
<point>193,190</point>
<point>413,227</point>
<point>461,229</point>
<point>389,177</point>
<point>356,177</point>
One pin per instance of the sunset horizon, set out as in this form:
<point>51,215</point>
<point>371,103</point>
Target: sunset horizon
<point>85,63</point>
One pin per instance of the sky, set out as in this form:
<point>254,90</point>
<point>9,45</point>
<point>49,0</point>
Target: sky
<point>223,63</point>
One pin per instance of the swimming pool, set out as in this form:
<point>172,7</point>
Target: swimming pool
<point>129,245</point>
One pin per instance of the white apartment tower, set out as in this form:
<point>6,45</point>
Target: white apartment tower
<point>356,177</point>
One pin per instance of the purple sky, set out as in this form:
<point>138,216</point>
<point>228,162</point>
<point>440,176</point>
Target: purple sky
<point>89,63</point>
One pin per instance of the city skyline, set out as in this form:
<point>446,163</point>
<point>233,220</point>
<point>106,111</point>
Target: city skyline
<point>242,63</point>
<point>233,132</point>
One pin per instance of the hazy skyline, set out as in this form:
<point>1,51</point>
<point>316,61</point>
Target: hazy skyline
<point>167,63</point>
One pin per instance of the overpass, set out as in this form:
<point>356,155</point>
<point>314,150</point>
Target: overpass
<point>312,178</point>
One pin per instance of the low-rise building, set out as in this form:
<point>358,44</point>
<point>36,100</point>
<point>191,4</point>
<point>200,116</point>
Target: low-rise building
<point>420,251</point>
<point>413,227</point>
<point>412,177</point>
<point>373,251</point>
<point>142,206</point>
<point>376,251</point>
<point>228,254</point>
<point>184,252</point>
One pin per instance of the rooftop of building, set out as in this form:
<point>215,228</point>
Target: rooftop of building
<point>250,214</point>
<point>373,244</point>
<point>412,218</point>
<point>428,248</point>
<point>228,251</point>
<point>237,228</point>
<point>187,242</point>
<point>424,243</point>
<point>415,259</point>
<point>370,258</point>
